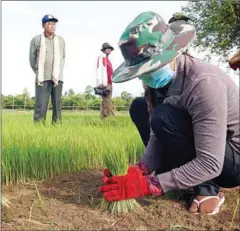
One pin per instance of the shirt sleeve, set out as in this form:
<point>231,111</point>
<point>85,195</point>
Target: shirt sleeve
<point>152,153</point>
<point>101,69</point>
<point>104,71</point>
<point>64,52</point>
<point>207,105</point>
<point>33,55</point>
<point>98,71</point>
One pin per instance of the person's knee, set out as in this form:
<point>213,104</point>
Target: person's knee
<point>157,119</point>
<point>166,117</point>
<point>138,107</point>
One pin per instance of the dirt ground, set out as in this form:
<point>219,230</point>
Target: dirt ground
<point>70,202</point>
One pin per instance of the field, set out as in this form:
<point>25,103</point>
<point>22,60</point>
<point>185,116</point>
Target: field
<point>50,174</point>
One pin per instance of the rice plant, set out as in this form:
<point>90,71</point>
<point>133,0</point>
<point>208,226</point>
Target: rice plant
<point>38,152</point>
<point>116,160</point>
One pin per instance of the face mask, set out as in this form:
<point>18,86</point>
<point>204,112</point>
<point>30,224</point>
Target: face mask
<point>159,78</point>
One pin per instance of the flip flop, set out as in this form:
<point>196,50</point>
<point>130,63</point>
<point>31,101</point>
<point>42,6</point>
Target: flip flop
<point>217,209</point>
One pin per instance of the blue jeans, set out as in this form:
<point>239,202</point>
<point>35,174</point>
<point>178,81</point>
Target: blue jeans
<point>173,129</point>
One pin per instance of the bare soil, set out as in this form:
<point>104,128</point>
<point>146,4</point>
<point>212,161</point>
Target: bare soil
<point>70,202</point>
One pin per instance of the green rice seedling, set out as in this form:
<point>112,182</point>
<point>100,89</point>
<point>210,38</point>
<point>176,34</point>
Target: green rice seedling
<point>5,202</point>
<point>116,160</point>
<point>39,152</point>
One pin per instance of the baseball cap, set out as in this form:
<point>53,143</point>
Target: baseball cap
<point>48,17</point>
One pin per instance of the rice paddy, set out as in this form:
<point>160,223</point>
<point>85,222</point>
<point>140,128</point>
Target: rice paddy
<point>80,143</point>
<point>50,177</point>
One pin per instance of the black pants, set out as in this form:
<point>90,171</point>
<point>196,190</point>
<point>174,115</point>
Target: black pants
<point>173,129</point>
<point>42,95</point>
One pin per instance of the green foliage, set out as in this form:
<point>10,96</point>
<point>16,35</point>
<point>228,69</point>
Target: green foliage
<point>70,100</point>
<point>218,25</point>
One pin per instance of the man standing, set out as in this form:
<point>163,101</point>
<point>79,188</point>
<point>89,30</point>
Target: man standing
<point>47,56</point>
<point>104,80</point>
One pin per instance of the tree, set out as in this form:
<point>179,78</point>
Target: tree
<point>218,25</point>
<point>88,92</point>
<point>126,96</point>
<point>88,89</point>
<point>26,97</point>
<point>71,92</point>
<point>119,103</point>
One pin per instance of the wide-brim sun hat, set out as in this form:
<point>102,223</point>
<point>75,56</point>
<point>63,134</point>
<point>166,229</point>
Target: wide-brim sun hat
<point>148,43</point>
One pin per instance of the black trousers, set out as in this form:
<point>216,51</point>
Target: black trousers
<point>42,94</point>
<point>173,129</point>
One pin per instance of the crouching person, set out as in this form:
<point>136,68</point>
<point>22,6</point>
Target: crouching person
<point>189,122</point>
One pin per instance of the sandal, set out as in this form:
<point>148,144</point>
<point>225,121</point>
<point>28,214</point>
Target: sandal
<point>217,208</point>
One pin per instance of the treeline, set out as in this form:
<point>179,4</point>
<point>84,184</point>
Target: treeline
<point>70,101</point>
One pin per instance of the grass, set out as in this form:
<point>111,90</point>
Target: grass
<point>38,152</point>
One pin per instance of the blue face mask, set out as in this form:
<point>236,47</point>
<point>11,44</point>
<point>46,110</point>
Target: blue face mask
<point>159,78</point>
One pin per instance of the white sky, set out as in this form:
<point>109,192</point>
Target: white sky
<point>84,26</point>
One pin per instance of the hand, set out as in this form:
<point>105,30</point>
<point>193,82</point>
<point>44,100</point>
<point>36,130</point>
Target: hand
<point>142,167</point>
<point>132,185</point>
<point>100,85</point>
<point>106,175</point>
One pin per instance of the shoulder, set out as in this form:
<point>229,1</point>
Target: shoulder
<point>198,69</point>
<point>205,82</point>
<point>201,74</point>
<point>102,56</point>
<point>61,39</point>
<point>36,38</point>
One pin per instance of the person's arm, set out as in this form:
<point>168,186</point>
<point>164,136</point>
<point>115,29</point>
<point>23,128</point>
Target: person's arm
<point>64,52</point>
<point>33,55</point>
<point>104,71</point>
<point>150,161</point>
<point>99,71</point>
<point>207,105</point>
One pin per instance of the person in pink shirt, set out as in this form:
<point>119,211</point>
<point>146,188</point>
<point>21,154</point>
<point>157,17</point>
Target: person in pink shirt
<point>104,80</point>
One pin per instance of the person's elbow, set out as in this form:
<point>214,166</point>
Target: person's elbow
<point>215,168</point>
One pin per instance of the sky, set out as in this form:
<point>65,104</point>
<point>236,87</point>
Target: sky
<point>85,26</point>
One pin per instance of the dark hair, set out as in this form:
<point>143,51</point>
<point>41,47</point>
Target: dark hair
<point>179,16</point>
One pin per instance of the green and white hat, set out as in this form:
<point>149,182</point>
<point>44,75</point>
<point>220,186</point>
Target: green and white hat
<point>148,43</point>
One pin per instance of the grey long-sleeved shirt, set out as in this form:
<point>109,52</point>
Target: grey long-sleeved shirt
<point>48,64</point>
<point>212,99</point>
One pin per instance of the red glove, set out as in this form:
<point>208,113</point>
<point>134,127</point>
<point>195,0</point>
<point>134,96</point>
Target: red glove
<point>106,175</point>
<point>132,185</point>
<point>143,168</point>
